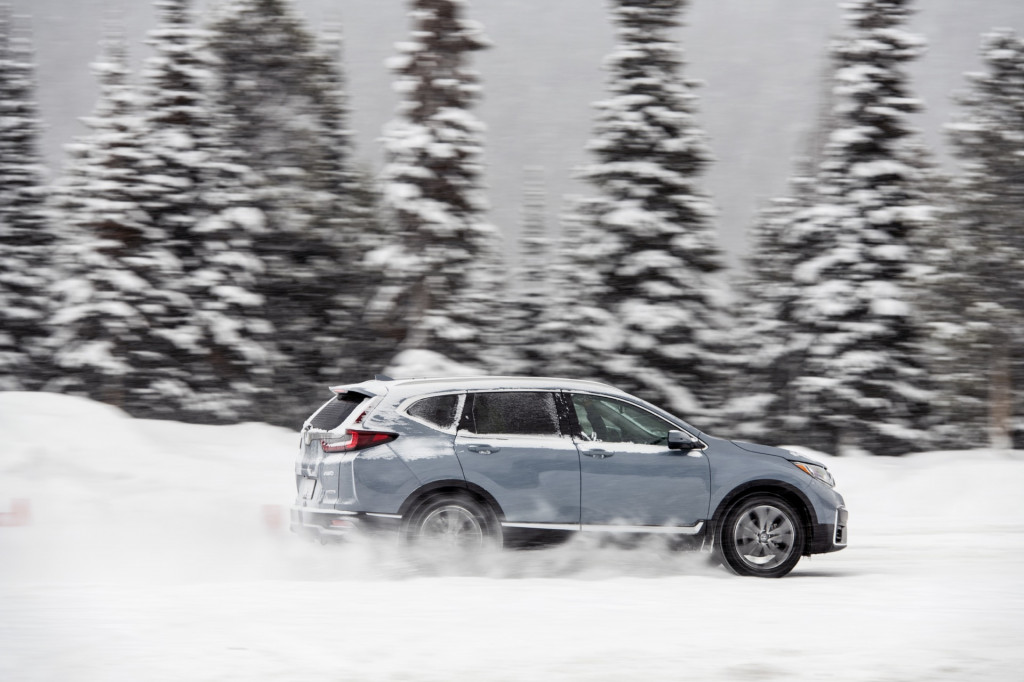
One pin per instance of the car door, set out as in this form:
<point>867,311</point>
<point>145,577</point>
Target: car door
<point>629,476</point>
<point>516,446</point>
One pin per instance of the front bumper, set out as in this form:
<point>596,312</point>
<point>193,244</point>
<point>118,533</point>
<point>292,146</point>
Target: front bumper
<point>831,537</point>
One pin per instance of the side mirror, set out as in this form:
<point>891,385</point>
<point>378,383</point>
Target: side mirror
<point>681,440</point>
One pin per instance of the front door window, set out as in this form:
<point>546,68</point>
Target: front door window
<point>613,421</point>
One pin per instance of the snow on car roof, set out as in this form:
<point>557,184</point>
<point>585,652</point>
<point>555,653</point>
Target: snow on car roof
<point>381,384</point>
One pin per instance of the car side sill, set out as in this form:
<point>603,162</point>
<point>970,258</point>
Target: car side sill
<point>608,528</point>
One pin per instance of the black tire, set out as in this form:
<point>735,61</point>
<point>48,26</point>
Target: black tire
<point>454,523</point>
<point>762,536</point>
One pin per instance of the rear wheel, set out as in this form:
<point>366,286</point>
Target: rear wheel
<point>762,536</point>
<point>454,522</point>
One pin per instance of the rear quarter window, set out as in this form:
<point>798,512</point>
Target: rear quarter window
<point>438,410</point>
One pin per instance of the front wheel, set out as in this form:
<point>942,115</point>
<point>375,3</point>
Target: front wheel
<point>454,522</point>
<point>762,536</point>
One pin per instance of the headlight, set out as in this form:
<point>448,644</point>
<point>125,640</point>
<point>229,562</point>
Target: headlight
<point>818,472</point>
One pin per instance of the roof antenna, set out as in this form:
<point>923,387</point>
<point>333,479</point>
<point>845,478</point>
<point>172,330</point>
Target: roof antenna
<point>382,377</point>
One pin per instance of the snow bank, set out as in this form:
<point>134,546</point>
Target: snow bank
<point>114,498</point>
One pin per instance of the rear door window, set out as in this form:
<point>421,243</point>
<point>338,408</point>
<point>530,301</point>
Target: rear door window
<point>528,413</point>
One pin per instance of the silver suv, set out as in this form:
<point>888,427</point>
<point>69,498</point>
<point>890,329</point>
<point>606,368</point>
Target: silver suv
<point>473,461</point>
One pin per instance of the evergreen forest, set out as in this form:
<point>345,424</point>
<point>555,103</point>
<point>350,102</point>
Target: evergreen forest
<point>213,252</point>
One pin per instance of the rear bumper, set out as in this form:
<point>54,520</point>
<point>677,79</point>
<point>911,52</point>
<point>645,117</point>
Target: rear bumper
<point>331,525</point>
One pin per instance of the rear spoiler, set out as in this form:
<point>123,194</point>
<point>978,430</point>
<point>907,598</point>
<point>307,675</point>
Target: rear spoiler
<point>354,388</point>
<point>370,389</point>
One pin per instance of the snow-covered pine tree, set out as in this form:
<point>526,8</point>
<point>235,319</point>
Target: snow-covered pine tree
<point>366,298</point>
<point>533,282</point>
<point>768,350</point>
<point>335,175</point>
<point>361,235</point>
<point>988,139</point>
<point>575,334</point>
<point>26,236</point>
<point>107,340</point>
<point>956,323</point>
<point>204,203</point>
<point>175,82</point>
<point>284,96</point>
<point>449,290</point>
<point>234,376</point>
<point>863,387</point>
<point>656,250</point>
<point>534,235</point>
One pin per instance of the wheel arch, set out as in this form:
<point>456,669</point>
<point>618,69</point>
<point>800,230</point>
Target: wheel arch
<point>452,486</point>
<point>789,493</point>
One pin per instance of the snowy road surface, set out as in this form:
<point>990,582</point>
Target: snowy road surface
<point>153,551</point>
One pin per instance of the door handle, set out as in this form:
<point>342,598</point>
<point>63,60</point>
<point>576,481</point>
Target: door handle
<point>598,454</point>
<point>483,449</point>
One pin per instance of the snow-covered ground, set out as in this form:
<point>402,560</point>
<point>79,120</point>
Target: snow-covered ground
<point>143,550</point>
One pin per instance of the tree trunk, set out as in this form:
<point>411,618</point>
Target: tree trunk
<point>1000,401</point>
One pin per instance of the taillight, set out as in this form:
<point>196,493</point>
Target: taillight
<point>358,440</point>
